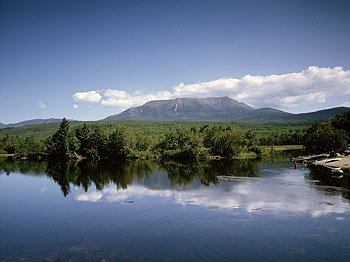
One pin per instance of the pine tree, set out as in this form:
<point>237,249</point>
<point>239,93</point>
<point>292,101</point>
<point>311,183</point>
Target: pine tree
<point>57,146</point>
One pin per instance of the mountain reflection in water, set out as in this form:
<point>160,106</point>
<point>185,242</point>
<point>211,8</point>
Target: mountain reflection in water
<point>247,184</point>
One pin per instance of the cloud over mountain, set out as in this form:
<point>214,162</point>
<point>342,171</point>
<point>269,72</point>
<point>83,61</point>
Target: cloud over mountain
<point>311,86</point>
<point>87,97</point>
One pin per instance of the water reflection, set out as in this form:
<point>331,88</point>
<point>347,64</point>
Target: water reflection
<point>249,194</point>
<point>123,174</point>
<point>245,184</point>
<point>331,185</point>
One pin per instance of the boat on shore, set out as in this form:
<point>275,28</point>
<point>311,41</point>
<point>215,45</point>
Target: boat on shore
<point>332,166</point>
<point>310,159</point>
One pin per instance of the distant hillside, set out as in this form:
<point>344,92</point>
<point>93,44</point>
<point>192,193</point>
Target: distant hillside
<point>318,115</point>
<point>220,109</point>
<point>274,115</point>
<point>31,122</point>
<point>266,114</point>
<point>217,109</point>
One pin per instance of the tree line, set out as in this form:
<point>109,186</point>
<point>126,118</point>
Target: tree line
<point>328,137</point>
<point>178,143</point>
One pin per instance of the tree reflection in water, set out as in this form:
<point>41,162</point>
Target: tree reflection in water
<point>328,183</point>
<point>122,174</point>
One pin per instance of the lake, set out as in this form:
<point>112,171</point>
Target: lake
<point>242,210</point>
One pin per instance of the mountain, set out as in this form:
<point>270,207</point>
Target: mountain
<point>31,122</point>
<point>203,109</point>
<point>217,109</point>
<point>187,109</point>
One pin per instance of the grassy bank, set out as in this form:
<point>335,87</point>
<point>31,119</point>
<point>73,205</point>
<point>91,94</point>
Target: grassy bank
<point>6,155</point>
<point>267,151</point>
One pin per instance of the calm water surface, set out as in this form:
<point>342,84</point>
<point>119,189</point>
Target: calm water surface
<point>146,211</point>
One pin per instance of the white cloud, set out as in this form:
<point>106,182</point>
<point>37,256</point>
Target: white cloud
<point>118,94</point>
<point>75,106</point>
<point>124,100</point>
<point>293,101</point>
<point>42,105</point>
<point>87,97</point>
<point>312,86</point>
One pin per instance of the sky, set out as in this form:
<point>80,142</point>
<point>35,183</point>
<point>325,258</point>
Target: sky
<point>88,59</point>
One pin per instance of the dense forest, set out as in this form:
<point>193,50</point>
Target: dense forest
<point>177,141</point>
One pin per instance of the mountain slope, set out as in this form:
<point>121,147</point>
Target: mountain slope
<point>187,109</point>
<point>266,114</point>
<point>318,115</point>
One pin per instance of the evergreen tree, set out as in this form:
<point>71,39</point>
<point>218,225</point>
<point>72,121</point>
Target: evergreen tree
<point>57,146</point>
<point>118,143</point>
<point>83,136</point>
<point>99,143</point>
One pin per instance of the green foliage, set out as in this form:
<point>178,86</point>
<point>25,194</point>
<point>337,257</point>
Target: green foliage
<point>30,147</point>
<point>83,134</point>
<point>322,137</point>
<point>8,144</point>
<point>181,144</point>
<point>147,139</point>
<point>209,135</point>
<point>62,143</point>
<point>119,143</point>
<point>98,143</point>
<point>342,122</point>
<point>227,143</point>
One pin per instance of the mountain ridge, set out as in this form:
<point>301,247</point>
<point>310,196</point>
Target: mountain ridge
<point>31,122</point>
<point>186,109</point>
<point>216,109</point>
<point>209,109</point>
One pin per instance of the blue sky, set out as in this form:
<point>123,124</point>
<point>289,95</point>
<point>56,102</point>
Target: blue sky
<point>86,59</point>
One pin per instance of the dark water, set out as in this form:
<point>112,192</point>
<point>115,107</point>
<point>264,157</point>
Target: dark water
<point>146,211</point>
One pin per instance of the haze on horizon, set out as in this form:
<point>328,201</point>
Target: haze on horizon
<point>89,59</point>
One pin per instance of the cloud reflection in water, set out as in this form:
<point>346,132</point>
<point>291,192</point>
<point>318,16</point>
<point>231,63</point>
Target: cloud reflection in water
<point>287,194</point>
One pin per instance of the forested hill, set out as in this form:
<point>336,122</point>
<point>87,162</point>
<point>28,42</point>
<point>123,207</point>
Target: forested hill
<point>32,122</point>
<point>217,109</point>
<point>318,115</point>
<point>272,115</point>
